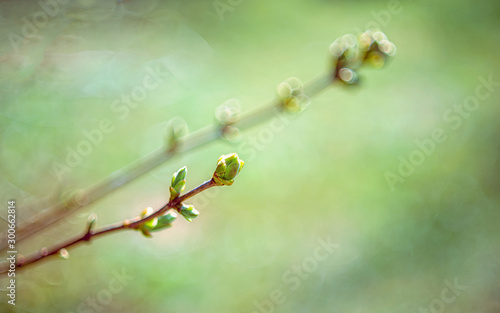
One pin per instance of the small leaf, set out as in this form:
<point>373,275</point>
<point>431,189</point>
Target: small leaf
<point>173,193</point>
<point>145,232</point>
<point>178,183</point>
<point>152,223</point>
<point>165,221</point>
<point>189,212</point>
<point>179,175</point>
<point>180,186</point>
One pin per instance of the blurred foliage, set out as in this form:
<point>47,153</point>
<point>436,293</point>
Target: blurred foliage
<point>322,176</point>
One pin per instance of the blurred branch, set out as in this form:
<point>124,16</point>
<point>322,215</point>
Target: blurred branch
<point>349,53</point>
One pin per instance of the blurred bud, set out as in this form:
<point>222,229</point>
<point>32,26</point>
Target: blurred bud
<point>228,166</point>
<point>348,76</point>
<point>231,133</point>
<point>81,198</point>
<point>291,93</point>
<point>73,198</point>
<point>345,51</point>
<point>284,90</point>
<point>64,254</point>
<point>372,47</point>
<point>375,59</point>
<point>189,212</point>
<point>379,36</point>
<point>177,128</point>
<point>178,183</point>
<point>337,48</point>
<point>376,48</point>
<point>228,112</point>
<point>366,40</point>
<point>388,48</point>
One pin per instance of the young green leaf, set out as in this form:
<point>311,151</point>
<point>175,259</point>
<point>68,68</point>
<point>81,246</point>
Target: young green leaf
<point>164,221</point>
<point>189,212</point>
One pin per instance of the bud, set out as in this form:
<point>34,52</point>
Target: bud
<point>388,48</point>
<point>152,222</point>
<point>375,58</point>
<point>231,133</point>
<point>64,254</point>
<point>178,183</point>
<point>189,212</point>
<point>177,128</point>
<point>157,223</point>
<point>228,166</point>
<point>164,221</point>
<point>91,222</point>
<point>376,48</point>
<point>229,112</point>
<point>348,76</point>
<point>345,51</point>
<point>147,226</point>
<point>292,96</point>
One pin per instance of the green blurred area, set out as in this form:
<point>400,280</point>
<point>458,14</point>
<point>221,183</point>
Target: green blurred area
<point>323,177</point>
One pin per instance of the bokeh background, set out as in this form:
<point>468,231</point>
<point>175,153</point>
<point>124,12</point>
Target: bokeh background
<point>399,245</point>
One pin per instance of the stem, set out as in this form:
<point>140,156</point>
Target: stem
<point>91,234</point>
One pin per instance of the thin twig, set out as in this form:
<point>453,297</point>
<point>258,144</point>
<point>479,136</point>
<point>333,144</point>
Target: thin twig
<point>91,234</point>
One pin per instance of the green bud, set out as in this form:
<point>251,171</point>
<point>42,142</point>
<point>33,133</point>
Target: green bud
<point>147,226</point>
<point>221,167</point>
<point>189,212</point>
<point>165,221</point>
<point>179,176</point>
<point>228,166</point>
<point>178,183</point>
<point>152,223</point>
<point>157,223</point>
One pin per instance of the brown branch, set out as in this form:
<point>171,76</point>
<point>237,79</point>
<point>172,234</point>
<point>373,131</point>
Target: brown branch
<point>376,48</point>
<point>90,234</point>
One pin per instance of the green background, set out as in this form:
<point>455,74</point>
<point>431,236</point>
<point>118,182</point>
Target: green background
<point>323,177</point>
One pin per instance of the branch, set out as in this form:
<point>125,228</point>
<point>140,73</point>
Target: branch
<point>349,54</point>
<point>227,168</point>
